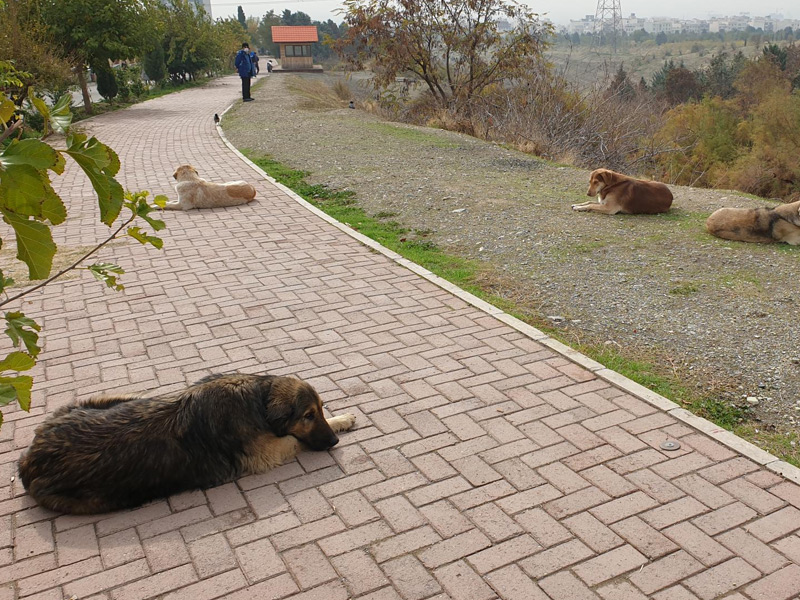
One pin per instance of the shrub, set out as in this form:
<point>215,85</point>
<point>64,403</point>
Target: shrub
<point>106,82</point>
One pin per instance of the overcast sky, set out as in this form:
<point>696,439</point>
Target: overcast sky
<point>559,11</point>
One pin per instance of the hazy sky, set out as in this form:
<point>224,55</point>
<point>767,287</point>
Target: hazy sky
<point>559,11</point>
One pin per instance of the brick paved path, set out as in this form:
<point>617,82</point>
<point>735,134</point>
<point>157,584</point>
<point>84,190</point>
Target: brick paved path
<point>485,465</point>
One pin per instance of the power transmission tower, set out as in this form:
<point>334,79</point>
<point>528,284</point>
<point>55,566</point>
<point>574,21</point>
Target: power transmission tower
<point>608,20</point>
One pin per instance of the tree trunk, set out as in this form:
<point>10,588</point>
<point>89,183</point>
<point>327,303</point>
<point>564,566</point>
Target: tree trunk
<point>87,99</point>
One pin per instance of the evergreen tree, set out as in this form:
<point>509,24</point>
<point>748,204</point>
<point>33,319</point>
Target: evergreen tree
<point>242,19</point>
<point>106,82</point>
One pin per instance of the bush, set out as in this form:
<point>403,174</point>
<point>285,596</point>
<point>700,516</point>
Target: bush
<point>106,82</point>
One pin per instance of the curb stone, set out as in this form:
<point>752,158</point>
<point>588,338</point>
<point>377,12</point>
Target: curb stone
<point>717,433</point>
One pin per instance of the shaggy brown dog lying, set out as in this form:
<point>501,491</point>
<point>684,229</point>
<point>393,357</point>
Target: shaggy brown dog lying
<point>618,193</point>
<point>105,454</point>
<point>764,225</point>
<point>194,192</point>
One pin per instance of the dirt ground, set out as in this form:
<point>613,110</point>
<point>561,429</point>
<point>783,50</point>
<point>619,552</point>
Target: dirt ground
<point>723,315</point>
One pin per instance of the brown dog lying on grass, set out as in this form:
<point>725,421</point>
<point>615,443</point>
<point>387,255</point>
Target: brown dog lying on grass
<point>618,193</point>
<point>760,225</point>
<point>194,192</point>
<point>106,454</point>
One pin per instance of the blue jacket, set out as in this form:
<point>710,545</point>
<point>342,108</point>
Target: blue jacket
<point>243,64</point>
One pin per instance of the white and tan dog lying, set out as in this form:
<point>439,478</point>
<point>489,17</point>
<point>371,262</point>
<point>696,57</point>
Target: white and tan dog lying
<point>618,193</point>
<point>760,225</point>
<point>195,192</point>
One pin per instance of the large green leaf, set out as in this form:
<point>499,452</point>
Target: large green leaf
<point>26,191</point>
<point>100,163</point>
<point>21,386</point>
<point>32,152</point>
<point>61,114</point>
<point>23,330</point>
<point>35,246</point>
<point>17,361</point>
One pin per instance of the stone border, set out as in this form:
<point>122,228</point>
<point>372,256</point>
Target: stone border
<point>723,436</point>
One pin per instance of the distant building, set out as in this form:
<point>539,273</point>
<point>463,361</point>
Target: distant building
<point>295,45</point>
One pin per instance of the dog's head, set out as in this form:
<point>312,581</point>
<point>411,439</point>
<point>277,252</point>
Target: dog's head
<point>185,172</point>
<point>295,408</point>
<point>599,179</point>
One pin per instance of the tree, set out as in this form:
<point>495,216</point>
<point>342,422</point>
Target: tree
<point>106,82</point>
<point>265,32</point>
<point>24,42</point>
<point>661,38</point>
<point>455,47</point>
<point>154,64</point>
<point>30,207</point>
<point>298,18</point>
<point>96,31</point>
<point>240,16</point>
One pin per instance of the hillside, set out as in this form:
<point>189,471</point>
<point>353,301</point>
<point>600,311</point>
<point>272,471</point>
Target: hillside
<point>587,65</point>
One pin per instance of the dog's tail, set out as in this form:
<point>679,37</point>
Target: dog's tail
<point>241,189</point>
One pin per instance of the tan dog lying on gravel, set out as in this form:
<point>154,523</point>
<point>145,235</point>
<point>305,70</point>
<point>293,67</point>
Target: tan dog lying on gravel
<point>760,225</point>
<point>618,193</point>
<point>194,192</point>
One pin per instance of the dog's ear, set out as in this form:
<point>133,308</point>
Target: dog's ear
<point>279,415</point>
<point>280,398</point>
<point>175,175</point>
<point>604,176</point>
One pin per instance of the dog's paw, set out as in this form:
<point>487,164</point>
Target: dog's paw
<point>579,207</point>
<point>342,422</point>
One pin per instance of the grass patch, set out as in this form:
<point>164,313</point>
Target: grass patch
<point>490,286</point>
<point>412,135</point>
<point>684,289</point>
<point>340,204</point>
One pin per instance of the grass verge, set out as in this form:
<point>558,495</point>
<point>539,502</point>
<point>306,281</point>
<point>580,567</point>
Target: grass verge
<point>476,278</point>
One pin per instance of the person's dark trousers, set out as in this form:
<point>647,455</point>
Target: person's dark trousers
<point>245,88</point>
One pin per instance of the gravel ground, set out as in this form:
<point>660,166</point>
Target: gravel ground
<point>723,315</point>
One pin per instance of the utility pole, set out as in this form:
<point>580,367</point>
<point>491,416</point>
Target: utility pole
<point>608,20</point>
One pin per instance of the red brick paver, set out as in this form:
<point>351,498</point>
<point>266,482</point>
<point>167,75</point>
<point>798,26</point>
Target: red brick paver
<point>484,463</point>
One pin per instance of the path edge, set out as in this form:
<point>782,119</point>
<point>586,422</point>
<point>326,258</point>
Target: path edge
<point>717,433</point>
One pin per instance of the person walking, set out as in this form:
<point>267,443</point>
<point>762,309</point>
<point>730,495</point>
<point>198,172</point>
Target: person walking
<point>254,60</point>
<point>245,68</point>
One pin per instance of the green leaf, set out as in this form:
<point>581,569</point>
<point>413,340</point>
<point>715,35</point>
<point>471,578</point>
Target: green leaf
<point>32,152</point>
<point>5,282</point>
<point>27,192</point>
<point>160,201</point>
<point>61,114</point>
<point>43,109</point>
<point>23,330</point>
<point>35,246</point>
<point>7,109</point>
<point>7,394</point>
<point>102,272</point>
<point>137,234</point>
<point>17,361</point>
<point>100,163</point>
<point>21,386</point>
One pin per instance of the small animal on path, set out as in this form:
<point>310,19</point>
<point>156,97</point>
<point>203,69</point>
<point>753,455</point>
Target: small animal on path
<point>195,192</point>
<point>110,453</point>
<point>618,193</point>
<point>216,118</point>
<point>761,225</point>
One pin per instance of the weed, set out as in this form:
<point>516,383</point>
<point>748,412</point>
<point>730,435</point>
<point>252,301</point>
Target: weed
<point>684,289</point>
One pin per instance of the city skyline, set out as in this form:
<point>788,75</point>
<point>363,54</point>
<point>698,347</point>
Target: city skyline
<point>559,12</point>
